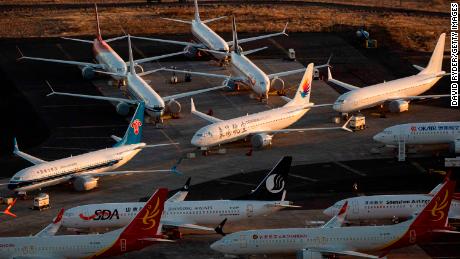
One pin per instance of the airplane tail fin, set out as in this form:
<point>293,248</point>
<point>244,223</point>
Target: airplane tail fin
<point>8,212</point>
<point>98,28</point>
<point>147,221</point>
<point>197,12</point>
<point>235,45</point>
<point>132,69</point>
<point>435,64</point>
<point>133,134</point>
<point>435,214</point>
<point>273,186</point>
<point>303,93</point>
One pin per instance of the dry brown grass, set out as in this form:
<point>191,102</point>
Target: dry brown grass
<point>414,32</point>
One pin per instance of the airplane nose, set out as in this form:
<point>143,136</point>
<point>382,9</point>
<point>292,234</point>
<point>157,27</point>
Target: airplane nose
<point>216,246</point>
<point>337,107</point>
<point>195,141</point>
<point>329,212</point>
<point>378,137</point>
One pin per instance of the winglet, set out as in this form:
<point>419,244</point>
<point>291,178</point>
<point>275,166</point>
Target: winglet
<point>132,70</point>
<point>51,88</point>
<point>20,53</point>
<point>328,63</point>
<point>186,186</point>
<point>285,28</point>
<point>98,29</point>
<point>59,216</point>
<point>344,127</point>
<point>7,210</point>
<point>15,145</point>
<point>192,109</point>
<point>220,228</point>
<point>329,74</point>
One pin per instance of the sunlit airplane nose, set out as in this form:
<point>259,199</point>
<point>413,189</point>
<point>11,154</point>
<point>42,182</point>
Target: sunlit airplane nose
<point>337,107</point>
<point>196,141</point>
<point>216,246</point>
<point>378,137</point>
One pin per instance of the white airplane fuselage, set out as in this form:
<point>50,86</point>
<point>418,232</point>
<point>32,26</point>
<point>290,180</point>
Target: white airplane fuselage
<point>141,90</point>
<point>210,39</point>
<point>252,75</point>
<point>62,170</point>
<point>292,240</point>
<point>375,95</point>
<point>238,128</point>
<point>387,207</point>
<point>111,61</point>
<point>422,133</point>
<point>110,215</point>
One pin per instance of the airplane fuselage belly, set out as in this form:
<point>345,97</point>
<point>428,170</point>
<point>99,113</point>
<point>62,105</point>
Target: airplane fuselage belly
<point>106,56</point>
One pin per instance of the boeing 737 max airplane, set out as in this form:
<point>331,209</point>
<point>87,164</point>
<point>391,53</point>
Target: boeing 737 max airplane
<point>397,93</point>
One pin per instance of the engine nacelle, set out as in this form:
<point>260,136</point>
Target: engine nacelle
<point>398,106</point>
<point>123,109</point>
<point>231,84</point>
<point>191,52</point>
<point>85,183</point>
<point>277,84</point>
<point>306,254</point>
<point>261,140</point>
<point>138,68</point>
<point>173,107</point>
<point>87,73</point>
<point>455,146</point>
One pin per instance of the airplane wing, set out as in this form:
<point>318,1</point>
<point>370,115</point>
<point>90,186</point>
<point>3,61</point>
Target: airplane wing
<point>143,60</point>
<point>78,40</point>
<point>204,116</point>
<point>182,193</point>
<point>52,228</point>
<point>184,43</point>
<point>30,158</point>
<point>420,97</point>
<point>186,94</point>
<point>295,71</point>
<point>247,52</point>
<point>342,252</point>
<point>341,84</point>
<point>185,225</point>
<point>212,19</point>
<point>344,127</point>
<point>230,43</point>
<point>127,172</point>
<point>338,219</point>
<point>105,98</point>
<point>69,62</point>
<point>197,73</point>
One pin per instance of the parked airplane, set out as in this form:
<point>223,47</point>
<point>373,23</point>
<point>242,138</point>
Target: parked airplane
<point>84,170</point>
<point>422,133</point>
<point>107,59</point>
<point>138,234</point>
<point>396,207</point>
<point>268,197</point>
<point>397,93</point>
<point>348,241</point>
<point>247,73</point>
<point>261,126</point>
<point>140,90</point>
<point>207,40</point>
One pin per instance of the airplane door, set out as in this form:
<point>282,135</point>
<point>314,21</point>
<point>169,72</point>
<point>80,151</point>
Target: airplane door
<point>243,241</point>
<point>122,245</point>
<point>355,205</point>
<point>250,210</point>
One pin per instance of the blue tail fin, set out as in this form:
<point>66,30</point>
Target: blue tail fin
<point>133,134</point>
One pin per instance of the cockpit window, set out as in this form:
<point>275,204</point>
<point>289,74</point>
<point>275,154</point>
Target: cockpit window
<point>16,178</point>
<point>199,135</point>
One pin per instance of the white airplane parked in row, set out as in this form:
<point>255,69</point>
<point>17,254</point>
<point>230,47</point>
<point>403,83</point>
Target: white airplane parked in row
<point>207,40</point>
<point>245,72</point>
<point>422,133</point>
<point>396,207</point>
<point>356,241</point>
<point>268,197</point>
<point>140,90</point>
<point>107,59</point>
<point>141,232</point>
<point>396,93</point>
<point>84,170</point>
<point>261,126</point>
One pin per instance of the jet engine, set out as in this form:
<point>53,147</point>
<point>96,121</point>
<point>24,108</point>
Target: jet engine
<point>85,183</point>
<point>173,107</point>
<point>278,85</point>
<point>398,106</point>
<point>231,84</point>
<point>138,68</point>
<point>87,73</point>
<point>261,140</point>
<point>191,52</point>
<point>455,146</point>
<point>306,254</point>
<point>122,109</point>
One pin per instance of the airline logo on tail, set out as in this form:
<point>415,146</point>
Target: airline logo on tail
<point>438,208</point>
<point>149,217</point>
<point>305,89</point>
<point>136,124</point>
<point>275,183</point>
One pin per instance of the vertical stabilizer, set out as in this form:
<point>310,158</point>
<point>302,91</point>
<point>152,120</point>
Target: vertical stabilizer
<point>197,12</point>
<point>302,96</point>
<point>133,134</point>
<point>435,64</point>
<point>132,69</point>
<point>98,28</point>
<point>236,47</point>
